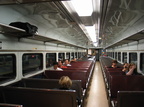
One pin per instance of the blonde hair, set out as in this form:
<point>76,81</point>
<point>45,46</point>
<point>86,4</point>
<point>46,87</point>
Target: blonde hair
<point>65,82</point>
<point>132,64</point>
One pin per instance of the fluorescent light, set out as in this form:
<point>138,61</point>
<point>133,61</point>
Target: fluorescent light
<point>91,32</point>
<point>95,44</point>
<point>83,7</point>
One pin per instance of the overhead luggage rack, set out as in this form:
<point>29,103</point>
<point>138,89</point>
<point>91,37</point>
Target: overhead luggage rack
<point>6,2</point>
<point>20,33</point>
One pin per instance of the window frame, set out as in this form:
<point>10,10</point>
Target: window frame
<point>130,57</point>
<point>119,58</point>
<point>24,73</point>
<point>51,64</point>
<point>14,73</point>
<point>123,59</point>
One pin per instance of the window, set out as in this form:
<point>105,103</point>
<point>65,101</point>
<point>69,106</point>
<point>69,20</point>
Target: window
<point>119,56</point>
<point>72,55</point>
<point>142,62</point>
<point>50,59</point>
<point>83,54</point>
<point>108,53</point>
<point>67,55</point>
<point>61,56</point>
<point>7,67</point>
<point>32,62</point>
<point>124,59</point>
<point>76,55</point>
<point>79,54</point>
<point>116,55</point>
<point>133,58</point>
<point>113,54</point>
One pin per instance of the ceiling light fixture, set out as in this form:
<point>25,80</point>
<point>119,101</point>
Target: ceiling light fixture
<point>83,7</point>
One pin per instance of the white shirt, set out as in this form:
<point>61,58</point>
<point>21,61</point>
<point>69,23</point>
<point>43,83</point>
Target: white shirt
<point>51,68</point>
<point>68,65</point>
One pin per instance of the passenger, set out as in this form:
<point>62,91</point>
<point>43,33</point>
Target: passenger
<point>114,64</point>
<point>60,64</point>
<point>74,60</point>
<point>125,67</point>
<point>67,62</point>
<point>66,83</point>
<point>131,69</point>
<point>55,67</point>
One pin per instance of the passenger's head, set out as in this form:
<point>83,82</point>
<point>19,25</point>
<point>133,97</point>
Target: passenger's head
<point>125,65</point>
<point>55,65</point>
<point>65,82</point>
<point>66,61</point>
<point>60,63</point>
<point>132,65</point>
<point>74,59</point>
<point>114,63</point>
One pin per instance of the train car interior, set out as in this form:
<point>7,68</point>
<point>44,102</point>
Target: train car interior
<point>97,44</point>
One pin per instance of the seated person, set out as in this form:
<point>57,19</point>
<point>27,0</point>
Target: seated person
<point>131,69</point>
<point>67,62</point>
<point>55,67</point>
<point>125,67</point>
<point>66,83</point>
<point>114,64</point>
<point>60,64</point>
<point>74,60</point>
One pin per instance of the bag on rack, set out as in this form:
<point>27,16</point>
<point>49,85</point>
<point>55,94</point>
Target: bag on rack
<point>30,29</point>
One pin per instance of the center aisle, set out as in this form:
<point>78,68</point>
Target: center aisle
<point>96,96</point>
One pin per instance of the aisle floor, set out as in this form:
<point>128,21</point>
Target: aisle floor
<point>96,96</point>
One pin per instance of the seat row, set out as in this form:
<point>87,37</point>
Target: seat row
<point>43,90</point>
<point>81,70</point>
<point>37,97</point>
<point>122,89</point>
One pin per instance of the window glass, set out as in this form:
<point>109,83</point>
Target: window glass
<point>142,62</point>
<point>7,67</point>
<point>76,55</point>
<point>32,62</point>
<point>83,54</point>
<point>50,59</point>
<point>113,54</point>
<point>119,56</point>
<point>61,56</point>
<point>116,55</point>
<point>108,54</point>
<point>72,55</point>
<point>133,58</point>
<point>79,54</point>
<point>124,59</point>
<point>68,55</point>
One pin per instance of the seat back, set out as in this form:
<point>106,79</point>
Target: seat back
<point>126,83</point>
<point>30,97</point>
<point>130,99</point>
<point>48,84</point>
<point>73,75</point>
